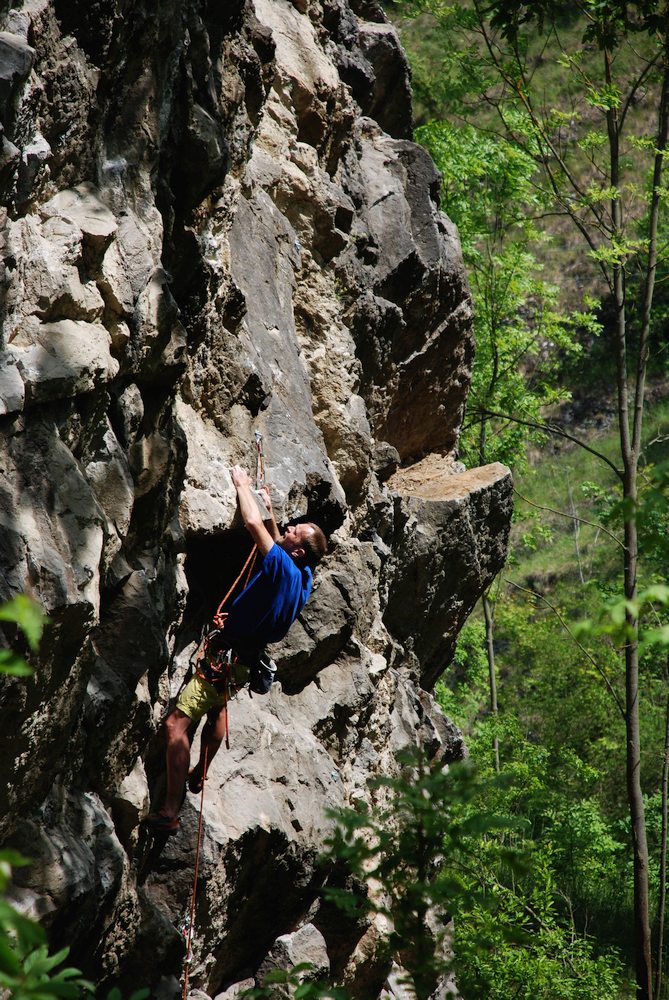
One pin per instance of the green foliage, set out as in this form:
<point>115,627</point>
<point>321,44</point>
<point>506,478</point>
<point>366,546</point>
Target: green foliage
<point>490,850</point>
<point>519,329</point>
<point>403,848</point>
<point>604,21</point>
<point>652,517</point>
<point>574,89</point>
<point>562,692</point>
<point>616,617</point>
<point>534,534</point>
<point>444,74</point>
<point>27,969</point>
<point>532,77</point>
<point>500,173</point>
<point>549,966</point>
<point>573,874</point>
<point>30,619</point>
<point>463,688</point>
<point>569,480</point>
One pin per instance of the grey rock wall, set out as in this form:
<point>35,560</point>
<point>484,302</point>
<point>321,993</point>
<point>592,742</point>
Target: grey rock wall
<point>215,223</point>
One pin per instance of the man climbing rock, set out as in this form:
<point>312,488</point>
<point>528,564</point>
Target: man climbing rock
<point>262,613</point>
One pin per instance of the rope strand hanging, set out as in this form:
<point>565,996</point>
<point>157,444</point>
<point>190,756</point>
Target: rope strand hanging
<point>218,624</point>
<point>191,918</point>
<point>249,564</point>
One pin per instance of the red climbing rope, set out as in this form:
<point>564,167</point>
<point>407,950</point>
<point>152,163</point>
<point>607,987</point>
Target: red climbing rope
<point>191,919</point>
<point>219,623</point>
<point>218,620</point>
<point>251,559</point>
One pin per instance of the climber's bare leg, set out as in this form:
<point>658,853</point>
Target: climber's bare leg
<point>213,735</point>
<point>177,724</point>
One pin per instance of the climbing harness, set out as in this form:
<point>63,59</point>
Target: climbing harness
<point>189,922</point>
<point>213,661</point>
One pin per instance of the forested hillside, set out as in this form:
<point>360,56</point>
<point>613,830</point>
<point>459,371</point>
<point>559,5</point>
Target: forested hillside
<point>548,123</point>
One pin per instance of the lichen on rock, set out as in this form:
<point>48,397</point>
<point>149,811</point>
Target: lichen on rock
<point>216,224</point>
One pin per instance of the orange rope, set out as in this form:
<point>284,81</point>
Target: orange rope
<point>251,567</point>
<point>248,569</point>
<point>228,681</point>
<point>219,622</point>
<point>251,559</point>
<point>191,922</point>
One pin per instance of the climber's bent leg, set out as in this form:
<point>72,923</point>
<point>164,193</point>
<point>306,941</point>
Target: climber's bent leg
<point>198,698</point>
<point>178,759</point>
<point>213,734</point>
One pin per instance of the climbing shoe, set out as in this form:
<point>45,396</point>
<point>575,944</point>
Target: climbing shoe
<point>195,781</point>
<point>159,823</point>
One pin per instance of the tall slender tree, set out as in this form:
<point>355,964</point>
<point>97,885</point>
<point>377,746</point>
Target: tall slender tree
<point>601,151</point>
<point>516,311</point>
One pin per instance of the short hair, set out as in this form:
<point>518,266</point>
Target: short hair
<point>315,545</point>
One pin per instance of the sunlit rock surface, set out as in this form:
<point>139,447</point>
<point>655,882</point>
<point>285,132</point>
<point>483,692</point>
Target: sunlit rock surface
<point>216,224</point>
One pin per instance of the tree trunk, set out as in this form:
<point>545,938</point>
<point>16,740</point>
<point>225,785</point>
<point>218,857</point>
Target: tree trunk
<point>577,532</point>
<point>659,953</point>
<point>642,938</point>
<point>629,450</point>
<point>490,649</point>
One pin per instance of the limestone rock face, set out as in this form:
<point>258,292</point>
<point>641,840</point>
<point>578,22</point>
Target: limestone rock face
<point>216,227</point>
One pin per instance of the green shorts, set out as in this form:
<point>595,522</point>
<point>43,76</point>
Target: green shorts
<point>198,697</point>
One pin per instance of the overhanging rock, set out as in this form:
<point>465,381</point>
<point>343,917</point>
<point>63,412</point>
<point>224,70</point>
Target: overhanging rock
<point>451,532</point>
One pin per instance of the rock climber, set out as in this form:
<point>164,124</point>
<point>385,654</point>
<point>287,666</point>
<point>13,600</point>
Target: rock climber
<point>261,614</point>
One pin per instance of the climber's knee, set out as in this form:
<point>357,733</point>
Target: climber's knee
<point>176,725</point>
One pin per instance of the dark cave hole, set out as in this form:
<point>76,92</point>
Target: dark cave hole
<point>212,564</point>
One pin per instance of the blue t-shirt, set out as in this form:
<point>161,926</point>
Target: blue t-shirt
<point>265,610</point>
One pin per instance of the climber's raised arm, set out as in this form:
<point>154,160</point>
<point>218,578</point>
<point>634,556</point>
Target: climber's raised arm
<point>250,511</point>
<point>270,522</point>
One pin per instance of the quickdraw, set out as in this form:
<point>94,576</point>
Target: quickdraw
<point>260,461</point>
<point>218,669</point>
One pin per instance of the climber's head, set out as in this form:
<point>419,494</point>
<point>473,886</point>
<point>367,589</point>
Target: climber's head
<point>305,542</point>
